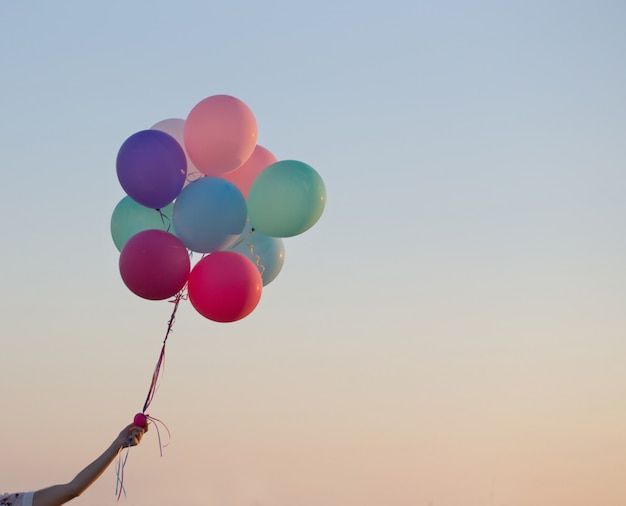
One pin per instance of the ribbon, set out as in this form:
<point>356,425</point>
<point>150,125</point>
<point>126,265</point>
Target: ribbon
<point>154,383</point>
<point>119,472</point>
<point>160,362</point>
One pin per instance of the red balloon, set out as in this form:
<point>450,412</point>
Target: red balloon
<point>244,176</point>
<point>154,264</point>
<point>225,286</point>
<point>220,134</point>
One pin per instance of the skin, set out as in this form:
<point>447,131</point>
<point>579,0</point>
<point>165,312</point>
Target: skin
<point>60,494</point>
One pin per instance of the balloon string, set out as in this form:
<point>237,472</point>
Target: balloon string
<point>242,239</point>
<point>165,220</point>
<point>121,463</point>
<point>258,259</point>
<point>251,247</point>
<point>156,423</point>
<point>160,362</point>
<point>119,472</point>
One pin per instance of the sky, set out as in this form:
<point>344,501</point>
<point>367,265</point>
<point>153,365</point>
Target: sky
<point>451,332</point>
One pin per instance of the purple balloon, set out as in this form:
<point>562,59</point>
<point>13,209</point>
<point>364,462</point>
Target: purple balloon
<point>151,167</point>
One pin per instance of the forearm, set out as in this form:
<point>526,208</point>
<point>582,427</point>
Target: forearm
<point>92,472</point>
<point>60,494</point>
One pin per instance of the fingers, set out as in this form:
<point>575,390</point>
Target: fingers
<point>132,434</point>
<point>134,438</point>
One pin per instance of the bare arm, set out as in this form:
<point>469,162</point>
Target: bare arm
<point>60,494</point>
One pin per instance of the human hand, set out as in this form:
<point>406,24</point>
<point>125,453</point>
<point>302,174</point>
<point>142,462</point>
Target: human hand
<point>131,435</point>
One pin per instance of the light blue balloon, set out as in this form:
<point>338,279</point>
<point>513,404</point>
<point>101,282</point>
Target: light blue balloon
<point>130,217</point>
<point>209,214</point>
<point>267,253</point>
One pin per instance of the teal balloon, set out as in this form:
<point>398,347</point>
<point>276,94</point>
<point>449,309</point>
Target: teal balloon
<point>266,252</point>
<point>130,217</point>
<point>286,199</point>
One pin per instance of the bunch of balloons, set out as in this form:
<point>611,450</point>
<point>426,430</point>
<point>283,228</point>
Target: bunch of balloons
<point>203,184</point>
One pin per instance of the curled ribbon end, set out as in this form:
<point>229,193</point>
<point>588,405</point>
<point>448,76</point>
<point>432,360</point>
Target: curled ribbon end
<point>156,422</point>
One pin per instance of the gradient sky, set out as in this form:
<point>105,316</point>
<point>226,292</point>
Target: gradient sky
<point>450,333</point>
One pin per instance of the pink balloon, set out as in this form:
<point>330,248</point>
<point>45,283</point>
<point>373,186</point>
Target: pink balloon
<point>154,264</point>
<point>244,176</point>
<point>220,134</point>
<point>175,127</point>
<point>224,286</point>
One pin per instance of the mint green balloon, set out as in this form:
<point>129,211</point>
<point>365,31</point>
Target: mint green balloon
<point>130,218</point>
<point>286,199</point>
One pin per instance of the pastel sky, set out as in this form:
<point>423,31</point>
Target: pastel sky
<point>450,333</point>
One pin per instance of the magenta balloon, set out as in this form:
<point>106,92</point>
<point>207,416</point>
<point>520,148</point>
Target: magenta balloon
<point>224,286</point>
<point>175,127</point>
<point>151,167</point>
<point>220,134</point>
<point>154,264</point>
<point>244,176</point>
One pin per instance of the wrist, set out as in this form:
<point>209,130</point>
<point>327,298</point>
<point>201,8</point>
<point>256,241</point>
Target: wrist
<point>117,446</point>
